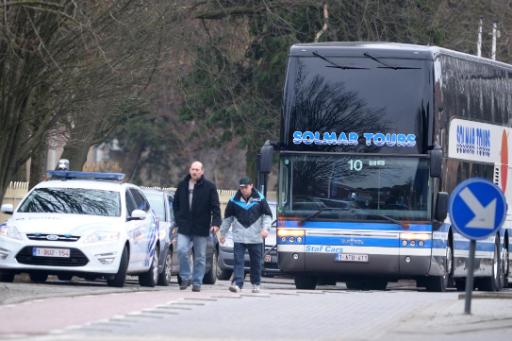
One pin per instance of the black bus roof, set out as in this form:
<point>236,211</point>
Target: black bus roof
<point>386,50</point>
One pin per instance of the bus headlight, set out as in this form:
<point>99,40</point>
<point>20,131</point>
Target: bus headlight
<point>290,232</point>
<point>292,236</point>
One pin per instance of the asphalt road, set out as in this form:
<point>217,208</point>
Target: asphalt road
<point>80,310</point>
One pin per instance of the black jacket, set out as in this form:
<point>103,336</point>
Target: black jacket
<point>205,210</point>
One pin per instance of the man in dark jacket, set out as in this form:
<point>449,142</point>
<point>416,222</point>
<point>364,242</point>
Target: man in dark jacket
<point>197,212</point>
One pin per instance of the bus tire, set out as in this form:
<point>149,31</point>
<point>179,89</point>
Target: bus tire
<point>460,284</point>
<point>441,283</point>
<point>494,282</point>
<point>304,282</point>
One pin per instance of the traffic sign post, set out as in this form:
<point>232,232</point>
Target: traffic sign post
<point>477,209</point>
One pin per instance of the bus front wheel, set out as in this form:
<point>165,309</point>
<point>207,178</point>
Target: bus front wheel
<point>305,282</point>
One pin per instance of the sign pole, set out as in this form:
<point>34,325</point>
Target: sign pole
<point>477,210</point>
<point>470,277</point>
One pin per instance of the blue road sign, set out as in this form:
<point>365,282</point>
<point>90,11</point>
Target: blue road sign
<point>477,208</point>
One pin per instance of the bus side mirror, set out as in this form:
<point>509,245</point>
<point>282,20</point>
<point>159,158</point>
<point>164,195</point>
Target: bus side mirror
<point>441,206</point>
<point>436,161</point>
<point>267,151</point>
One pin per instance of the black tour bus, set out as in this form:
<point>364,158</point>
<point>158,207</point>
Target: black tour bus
<point>374,137</point>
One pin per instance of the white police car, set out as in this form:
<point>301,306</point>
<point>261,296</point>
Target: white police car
<point>81,224</point>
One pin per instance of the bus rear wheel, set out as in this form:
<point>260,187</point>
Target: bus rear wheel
<point>305,282</point>
<point>494,282</point>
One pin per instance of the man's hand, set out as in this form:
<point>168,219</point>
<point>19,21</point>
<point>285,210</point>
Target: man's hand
<point>264,233</point>
<point>214,229</point>
<point>222,239</point>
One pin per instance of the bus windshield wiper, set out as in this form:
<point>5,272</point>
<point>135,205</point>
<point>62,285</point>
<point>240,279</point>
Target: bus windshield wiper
<point>317,212</point>
<point>335,65</point>
<point>388,66</point>
<point>388,218</point>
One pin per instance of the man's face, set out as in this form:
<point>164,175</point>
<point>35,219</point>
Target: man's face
<point>246,190</point>
<point>196,170</point>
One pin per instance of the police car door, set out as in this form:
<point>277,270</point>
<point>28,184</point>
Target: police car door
<point>148,230</point>
<point>135,234</point>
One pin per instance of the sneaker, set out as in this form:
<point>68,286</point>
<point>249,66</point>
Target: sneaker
<point>196,288</point>
<point>184,284</point>
<point>234,288</point>
<point>256,289</point>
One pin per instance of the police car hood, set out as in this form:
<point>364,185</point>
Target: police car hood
<point>74,224</point>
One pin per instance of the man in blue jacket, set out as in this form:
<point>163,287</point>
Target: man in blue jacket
<point>196,212</point>
<point>249,215</point>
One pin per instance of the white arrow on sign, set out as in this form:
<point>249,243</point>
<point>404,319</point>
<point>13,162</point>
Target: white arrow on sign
<point>484,216</point>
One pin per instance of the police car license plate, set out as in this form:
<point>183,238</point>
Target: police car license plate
<point>268,258</point>
<point>351,257</point>
<point>47,252</point>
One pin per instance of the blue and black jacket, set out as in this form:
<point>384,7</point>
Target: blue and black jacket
<point>247,218</point>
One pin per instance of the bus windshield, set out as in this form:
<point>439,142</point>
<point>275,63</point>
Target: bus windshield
<point>360,96</point>
<point>355,187</point>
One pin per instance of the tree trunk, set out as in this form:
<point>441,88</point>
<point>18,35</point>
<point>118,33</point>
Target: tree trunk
<point>38,163</point>
<point>76,154</point>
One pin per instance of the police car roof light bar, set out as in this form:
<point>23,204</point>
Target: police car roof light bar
<point>68,175</point>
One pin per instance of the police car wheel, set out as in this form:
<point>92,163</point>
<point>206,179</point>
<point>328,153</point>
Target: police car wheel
<point>223,274</point>
<point>120,277</point>
<point>38,277</point>
<point>211,276</point>
<point>165,276</point>
<point>7,276</point>
<point>150,278</point>
<point>65,277</point>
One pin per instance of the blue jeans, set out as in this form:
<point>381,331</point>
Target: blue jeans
<point>184,244</point>
<point>255,256</point>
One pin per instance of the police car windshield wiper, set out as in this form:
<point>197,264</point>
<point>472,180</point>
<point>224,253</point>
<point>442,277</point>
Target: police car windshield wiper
<point>335,65</point>
<point>317,212</point>
<point>388,66</point>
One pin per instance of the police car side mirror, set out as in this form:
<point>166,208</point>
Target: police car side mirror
<point>7,209</point>
<point>137,215</point>
<point>436,161</point>
<point>441,206</point>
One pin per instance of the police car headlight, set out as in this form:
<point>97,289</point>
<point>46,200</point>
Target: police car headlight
<point>10,232</point>
<point>102,236</point>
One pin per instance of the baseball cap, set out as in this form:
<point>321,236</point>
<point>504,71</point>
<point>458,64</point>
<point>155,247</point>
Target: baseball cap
<point>245,181</point>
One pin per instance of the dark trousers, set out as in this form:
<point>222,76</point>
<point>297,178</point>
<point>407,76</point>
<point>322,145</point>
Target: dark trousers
<point>255,255</point>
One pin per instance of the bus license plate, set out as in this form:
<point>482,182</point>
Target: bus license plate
<point>351,257</point>
<point>47,252</point>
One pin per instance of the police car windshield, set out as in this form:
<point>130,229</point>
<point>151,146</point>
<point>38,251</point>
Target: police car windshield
<point>73,201</point>
<point>362,187</point>
<point>156,202</point>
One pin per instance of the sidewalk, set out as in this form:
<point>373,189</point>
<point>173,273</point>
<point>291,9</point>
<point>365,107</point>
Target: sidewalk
<point>490,319</point>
